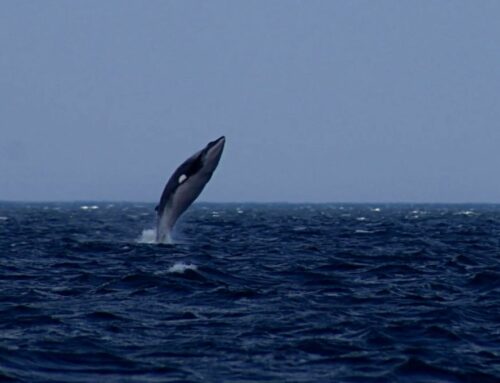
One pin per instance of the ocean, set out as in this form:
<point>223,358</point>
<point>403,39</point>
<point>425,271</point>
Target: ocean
<point>250,293</point>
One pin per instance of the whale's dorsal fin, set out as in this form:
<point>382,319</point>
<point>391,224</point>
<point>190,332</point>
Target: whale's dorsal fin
<point>157,208</point>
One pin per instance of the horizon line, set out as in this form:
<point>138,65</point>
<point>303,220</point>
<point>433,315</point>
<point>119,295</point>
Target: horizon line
<point>271,202</point>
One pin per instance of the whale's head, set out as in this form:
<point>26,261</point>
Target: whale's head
<point>211,154</point>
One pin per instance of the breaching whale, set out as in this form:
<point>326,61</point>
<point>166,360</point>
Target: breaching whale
<point>185,185</point>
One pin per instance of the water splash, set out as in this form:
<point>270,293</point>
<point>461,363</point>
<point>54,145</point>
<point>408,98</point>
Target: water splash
<point>149,236</point>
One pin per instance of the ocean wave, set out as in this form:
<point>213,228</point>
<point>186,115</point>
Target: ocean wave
<point>258,293</point>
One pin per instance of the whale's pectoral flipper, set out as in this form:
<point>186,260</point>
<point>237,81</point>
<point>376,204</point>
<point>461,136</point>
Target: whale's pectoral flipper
<point>185,185</point>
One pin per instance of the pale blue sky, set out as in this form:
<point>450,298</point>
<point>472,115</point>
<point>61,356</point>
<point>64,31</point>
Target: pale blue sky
<point>321,101</point>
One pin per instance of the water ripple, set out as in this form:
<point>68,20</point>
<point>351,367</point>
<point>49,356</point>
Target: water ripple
<point>302,293</point>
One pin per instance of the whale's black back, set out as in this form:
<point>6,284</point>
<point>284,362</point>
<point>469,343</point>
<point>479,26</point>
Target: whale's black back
<point>188,168</point>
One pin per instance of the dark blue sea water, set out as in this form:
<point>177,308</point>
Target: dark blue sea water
<point>250,293</point>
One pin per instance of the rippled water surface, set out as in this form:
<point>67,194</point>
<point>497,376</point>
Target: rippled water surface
<point>250,293</point>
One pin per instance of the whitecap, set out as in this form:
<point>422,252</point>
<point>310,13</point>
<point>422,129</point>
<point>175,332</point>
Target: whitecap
<point>87,207</point>
<point>4,218</point>
<point>467,213</point>
<point>181,267</point>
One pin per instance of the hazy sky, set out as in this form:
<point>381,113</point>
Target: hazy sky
<point>321,101</point>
